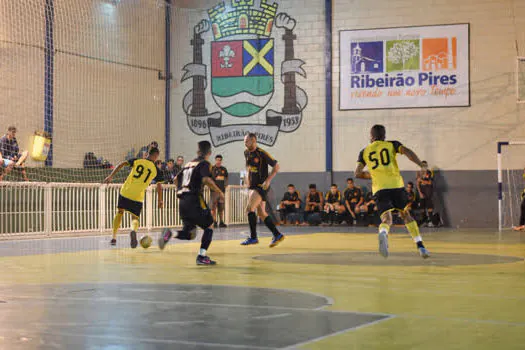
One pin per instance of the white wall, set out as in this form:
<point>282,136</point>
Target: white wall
<point>449,138</point>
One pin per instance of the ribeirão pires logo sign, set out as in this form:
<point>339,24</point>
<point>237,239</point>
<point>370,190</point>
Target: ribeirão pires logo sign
<point>242,75</point>
<point>405,67</point>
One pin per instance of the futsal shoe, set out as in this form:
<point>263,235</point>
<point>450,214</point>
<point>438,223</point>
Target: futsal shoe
<point>250,241</point>
<point>164,238</point>
<point>205,260</point>
<point>133,242</point>
<point>424,253</point>
<point>383,244</point>
<point>223,225</point>
<point>276,240</point>
<point>113,242</point>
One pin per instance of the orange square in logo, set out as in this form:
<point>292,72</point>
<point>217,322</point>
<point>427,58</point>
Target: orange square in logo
<point>440,54</point>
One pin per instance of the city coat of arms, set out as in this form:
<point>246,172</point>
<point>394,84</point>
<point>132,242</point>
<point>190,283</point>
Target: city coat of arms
<point>242,75</point>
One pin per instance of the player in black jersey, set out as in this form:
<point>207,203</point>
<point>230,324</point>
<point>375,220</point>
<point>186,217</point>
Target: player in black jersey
<point>258,181</point>
<point>192,208</point>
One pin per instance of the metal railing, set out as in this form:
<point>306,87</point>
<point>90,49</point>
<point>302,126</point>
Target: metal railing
<point>46,208</point>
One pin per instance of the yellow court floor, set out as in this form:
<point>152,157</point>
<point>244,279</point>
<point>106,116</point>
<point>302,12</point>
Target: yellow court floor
<point>314,291</point>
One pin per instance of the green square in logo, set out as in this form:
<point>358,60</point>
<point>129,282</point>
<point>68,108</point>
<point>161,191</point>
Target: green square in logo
<point>402,55</point>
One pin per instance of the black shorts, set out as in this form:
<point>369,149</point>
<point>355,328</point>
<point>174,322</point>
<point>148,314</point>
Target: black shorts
<point>263,193</point>
<point>127,204</point>
<point>426,203</point>
<point>194,212</point>
<point>391,199</point>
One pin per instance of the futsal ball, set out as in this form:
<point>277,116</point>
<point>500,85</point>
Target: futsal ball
<point>145,242</point>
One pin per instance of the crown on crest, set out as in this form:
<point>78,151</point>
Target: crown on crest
<point>242,17</point>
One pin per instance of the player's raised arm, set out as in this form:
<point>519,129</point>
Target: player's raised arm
<point>115,171</point>
<point>410,155</point>
<point>360,172</point>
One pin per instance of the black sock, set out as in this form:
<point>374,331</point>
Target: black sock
<point>271,226</point>
<point>206,238</point>
<point>420,244</point>
<point>252,220</point>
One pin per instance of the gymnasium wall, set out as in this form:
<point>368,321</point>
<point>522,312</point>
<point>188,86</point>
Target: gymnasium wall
<point>449,138</point>
<point>459,143</point>
<point>107,95</point>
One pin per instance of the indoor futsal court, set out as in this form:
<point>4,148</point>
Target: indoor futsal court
<point>262,174</point>
<point>318,290</point>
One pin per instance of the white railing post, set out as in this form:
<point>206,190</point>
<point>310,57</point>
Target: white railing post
<point>227,202</point>
<point>149,207</point>
<point>102,207</point>
<point>48,209</point>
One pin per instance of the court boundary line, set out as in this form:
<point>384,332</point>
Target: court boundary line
<point>351,329</point>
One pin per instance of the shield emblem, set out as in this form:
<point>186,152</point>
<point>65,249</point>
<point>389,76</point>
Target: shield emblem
<point>242,75</point>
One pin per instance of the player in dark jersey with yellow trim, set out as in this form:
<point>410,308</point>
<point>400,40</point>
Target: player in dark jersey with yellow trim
<point>258,181</point>
<point>192,207</point>
<point>387,185</point>
<point>143,172</point>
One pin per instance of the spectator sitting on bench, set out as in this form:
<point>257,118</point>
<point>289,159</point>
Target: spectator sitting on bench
<point>290,204</point>
<point>332,204</point>
<point>369,208</point>
<point>314,200</point>
<point>10,153</point>
<point>353,197</point>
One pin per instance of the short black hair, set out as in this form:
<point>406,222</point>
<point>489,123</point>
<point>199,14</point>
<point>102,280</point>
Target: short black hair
<point>424,162</point>
<point>252,135</point>
<point>180,157</point>
<point>378,132</point>
<point>204,147</point>
<point>218,156</point>
<point>411,183</point>
<point>349,179</point>
<point>171,160</point>
<point>291,185</point>
<point>333,185</point>
<point>312,186</point>
<point>153,150</point>
<point>154,143</point>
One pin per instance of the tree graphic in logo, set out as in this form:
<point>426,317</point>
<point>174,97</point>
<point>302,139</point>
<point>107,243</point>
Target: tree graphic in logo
<point>402,55</point>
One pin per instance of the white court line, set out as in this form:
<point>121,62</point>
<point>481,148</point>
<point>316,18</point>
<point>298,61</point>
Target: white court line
<point>169,323</point>
<point>138,301</point>
<point>147,340</point>
<point>338,332</point>
<point>284,308</point>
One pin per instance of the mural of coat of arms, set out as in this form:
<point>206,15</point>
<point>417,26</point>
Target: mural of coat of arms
<point>242,75</point>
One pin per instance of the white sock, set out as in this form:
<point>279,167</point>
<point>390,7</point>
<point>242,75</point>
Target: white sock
<point>202,252</point>
<point>418,239</point>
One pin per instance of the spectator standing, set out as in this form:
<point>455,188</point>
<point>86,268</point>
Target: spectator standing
<point>10,153</point>
<point>179,165</point>
<point>521,226</point>
<point>143,152</point>
<point>290,204</point>
<point>170,171</point>
<point>219,174</point>
<point>425,187</point>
